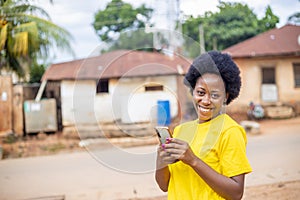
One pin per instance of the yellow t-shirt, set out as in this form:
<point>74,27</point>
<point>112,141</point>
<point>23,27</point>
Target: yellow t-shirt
<point>220,143</point>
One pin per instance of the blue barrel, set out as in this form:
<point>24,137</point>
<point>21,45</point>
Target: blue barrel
<point>163,113</point>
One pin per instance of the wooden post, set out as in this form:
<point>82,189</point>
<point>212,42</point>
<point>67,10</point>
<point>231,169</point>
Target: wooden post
<point>5,104</point>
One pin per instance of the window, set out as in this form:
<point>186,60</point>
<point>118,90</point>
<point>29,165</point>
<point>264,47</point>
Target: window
<point>154,88</point>
<point>268,75</point>
<point>102,86</point>
<point>296,67</point>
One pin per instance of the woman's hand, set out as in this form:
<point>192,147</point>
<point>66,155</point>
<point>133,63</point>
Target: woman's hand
<point>162,173</point>
<point>171,152</point>
<point>179,150</point>
<point>163,157</point>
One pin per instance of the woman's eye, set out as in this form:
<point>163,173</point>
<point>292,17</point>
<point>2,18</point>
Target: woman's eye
<point>215,96</point>
<point>200,93</point>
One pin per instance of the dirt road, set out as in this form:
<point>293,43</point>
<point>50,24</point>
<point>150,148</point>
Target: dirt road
<point>273,155</point>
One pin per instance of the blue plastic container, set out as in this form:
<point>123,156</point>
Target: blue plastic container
<point>163,113</point>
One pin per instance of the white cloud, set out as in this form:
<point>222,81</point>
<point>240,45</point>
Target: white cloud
<point>194,7</point>
<point>282,9</point>
<point>77,16</point>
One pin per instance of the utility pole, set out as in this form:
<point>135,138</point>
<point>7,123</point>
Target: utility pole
<point>179,25</point>
<point>167,36</point>
<point>201,39</point>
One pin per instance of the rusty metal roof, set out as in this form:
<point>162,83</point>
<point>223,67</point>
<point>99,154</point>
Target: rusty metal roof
<point>284,41</point>
<point>118,64</point>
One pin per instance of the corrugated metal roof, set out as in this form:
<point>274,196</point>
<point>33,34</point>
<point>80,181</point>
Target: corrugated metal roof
<point>275,42</point>
<point>118,64</point>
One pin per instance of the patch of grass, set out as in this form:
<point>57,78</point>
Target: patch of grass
<point>10,139</point>
<point>53,148</point>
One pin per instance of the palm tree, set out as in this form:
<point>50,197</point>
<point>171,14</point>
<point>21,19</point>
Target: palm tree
<point>27,34</point>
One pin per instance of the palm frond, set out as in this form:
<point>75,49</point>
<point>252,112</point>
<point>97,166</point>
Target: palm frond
<point>14,65</point>
<point>32,10</point>
<point>33,35</point>
<point>28,33</point>
<point>20,47</point>
<point>12,7</point>
<point>3,36</point>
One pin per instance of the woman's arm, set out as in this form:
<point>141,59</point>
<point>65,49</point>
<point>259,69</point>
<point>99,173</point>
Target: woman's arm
<point>162,173</point>
<point>229,188</point>
<point>162,177</point>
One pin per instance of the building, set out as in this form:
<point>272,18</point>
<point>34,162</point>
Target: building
<point>270,68</point>
<point>122,86</point>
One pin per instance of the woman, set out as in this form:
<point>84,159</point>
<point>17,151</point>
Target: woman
<point>206,158</point>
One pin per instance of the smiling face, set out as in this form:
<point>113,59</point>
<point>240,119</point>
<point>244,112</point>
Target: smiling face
<point>209,95</point>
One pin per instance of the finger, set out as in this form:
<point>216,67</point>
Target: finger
<point>174,151</point>
<point>174,157</point>
<point>167,153</point>
<point>159,149</point>
<point>169,160</point>
<point>177,141</point>
<point>173,145</point>
<point>164,154</point>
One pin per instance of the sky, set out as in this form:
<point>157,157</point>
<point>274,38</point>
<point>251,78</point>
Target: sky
<point>77,17</point>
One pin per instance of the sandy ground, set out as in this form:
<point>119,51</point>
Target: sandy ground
<point>52,144</point>
<point>282,191</point>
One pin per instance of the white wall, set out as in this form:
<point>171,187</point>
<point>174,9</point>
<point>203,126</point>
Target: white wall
<point>126,101</point>
<point>142,107</point>
<point>103,108</point>
<point>77,99</point>
<point>66,90</point>
<point>131,104</point>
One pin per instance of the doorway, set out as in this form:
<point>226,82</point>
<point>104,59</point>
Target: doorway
<point>269,90</point>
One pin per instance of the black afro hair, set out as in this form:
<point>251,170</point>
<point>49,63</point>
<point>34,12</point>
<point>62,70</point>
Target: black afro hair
<point>217,63</point>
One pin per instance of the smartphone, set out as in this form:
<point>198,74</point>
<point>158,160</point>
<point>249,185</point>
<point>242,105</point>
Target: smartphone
<point>163,133</point>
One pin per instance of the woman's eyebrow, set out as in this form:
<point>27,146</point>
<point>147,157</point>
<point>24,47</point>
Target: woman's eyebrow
<point>215,90</point>
<point>200,87</point>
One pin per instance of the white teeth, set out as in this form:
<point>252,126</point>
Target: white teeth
<point>204,109</point>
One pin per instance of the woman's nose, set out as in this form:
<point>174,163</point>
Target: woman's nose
<point>206,99</point>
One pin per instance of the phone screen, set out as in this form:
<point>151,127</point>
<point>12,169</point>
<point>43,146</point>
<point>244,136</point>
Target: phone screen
<point>163,133</point>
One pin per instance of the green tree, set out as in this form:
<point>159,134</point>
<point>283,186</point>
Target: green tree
<point>119,16</point>
<point>36,73</point>
<point>269,21</point>
<point>27,35</point>
<point>294,18</point>
<point>137,39</point>
<point>233,23</point>
<point>190,30</point>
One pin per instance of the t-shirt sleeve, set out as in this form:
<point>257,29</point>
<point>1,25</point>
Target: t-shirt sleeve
<point>175,131</point>
<point>233,158</point>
